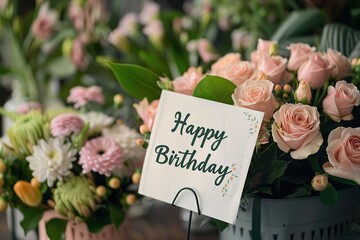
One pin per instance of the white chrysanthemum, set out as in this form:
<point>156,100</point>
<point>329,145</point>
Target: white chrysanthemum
<point>126,137</point>
<point>97,121</point>
<point>51,160</point>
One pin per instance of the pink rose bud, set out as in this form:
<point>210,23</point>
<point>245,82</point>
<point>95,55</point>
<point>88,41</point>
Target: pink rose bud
<point>222,63</point>
<point>274,67</point>
<point>344,153</point>
<point>316,70</point>
<point>147,112</point>
<point>340,101</point>
<point>263,48</point>
<point>44,24</point>
<point>129,23</point>
<point>186,83</point>
<point>149,12</point>
<point>303,93</point>
<point>118,38</point>
<point>206,50</point>
<point>155,32</point>
<point>240,40</point>
<point>299,53</point>
<point>3,4</point>
<point>342,64</point>
<point>320,182</point>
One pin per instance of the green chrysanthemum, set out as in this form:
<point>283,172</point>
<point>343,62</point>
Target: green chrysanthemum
<point>75,198</point>
<point>26,131</point>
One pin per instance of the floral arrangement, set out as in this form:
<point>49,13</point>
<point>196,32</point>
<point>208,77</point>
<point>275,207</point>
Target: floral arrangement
<point>47,41</point>
<point>83,164</point>
<point>309,139</point>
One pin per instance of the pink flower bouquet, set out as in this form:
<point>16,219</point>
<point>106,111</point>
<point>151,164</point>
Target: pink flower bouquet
<point>85,165</point>
<point>309,143</point>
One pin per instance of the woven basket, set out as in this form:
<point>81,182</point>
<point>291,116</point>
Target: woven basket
<point>80,231</point>
<point>297,219</point>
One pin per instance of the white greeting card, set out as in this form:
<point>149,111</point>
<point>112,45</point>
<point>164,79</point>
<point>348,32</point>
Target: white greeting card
<point>204,145</point>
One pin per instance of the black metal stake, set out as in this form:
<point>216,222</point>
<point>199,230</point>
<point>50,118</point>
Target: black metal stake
<point>197,204</point>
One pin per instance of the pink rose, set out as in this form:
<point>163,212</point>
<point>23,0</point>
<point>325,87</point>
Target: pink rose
<point>147,112</point>
<point>77,16</point>
<point>118,38</point>
<point>299,53</point>
<point>206,50</point>
<point>342,64</point>
<point>303,92</point>
<point>343,152</point>
<point>239,73</point>
<point>274,67</point>
<point>297,127</point>
<point>129,23</point>
<point>240,40</point>
<point>149,12</point>
<point>263,48</point>
<point>80,96</point>
<point>77,55</point>
<point>44,24</point>
<point>316,70</point>
<point>256,95</point>
<point>3,4</point>
<point>223,62</point>
<point>187,82</point>
<point>340,101</point>
<point>155,32</point>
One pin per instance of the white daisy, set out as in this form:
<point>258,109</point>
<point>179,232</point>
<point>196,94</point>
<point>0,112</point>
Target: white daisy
<point>51,160</point>
<point>97,121</point>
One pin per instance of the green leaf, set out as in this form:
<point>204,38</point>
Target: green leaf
<point>32,217</point>
<point>216,89</point>
<point>315,165</point>
<point>137,81</point>
<point>219,224</point>
<point>117,214</point>
<point>155,62</point>
<point>98,220</point>
<point>343,181</point>
<point>329,195</point>
<point>61,67</point>
<point>273,170</point>
<point>55,229</point>
<point>299,23</point>
<point>339,37</point>
<point>4,70</point>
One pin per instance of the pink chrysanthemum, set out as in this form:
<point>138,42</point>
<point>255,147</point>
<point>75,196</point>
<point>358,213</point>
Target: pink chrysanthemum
<point>101,155</point>
<point>82,95</point>
<point>66,124</point>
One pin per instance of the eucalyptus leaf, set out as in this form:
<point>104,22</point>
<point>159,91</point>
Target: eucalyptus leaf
<point>139,82</point>
<point>273,170</point>
<point>329,195</point>
<point>298,23</point>
<point>55,229</point>
<point>219,224</point>
<point>216,89</point>
<point>117,214</point>
<point>98,220</point>
<point>339,37</point>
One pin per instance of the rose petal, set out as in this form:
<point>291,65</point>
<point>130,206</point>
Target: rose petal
<point>309,149</point>
<point>339,173</point>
